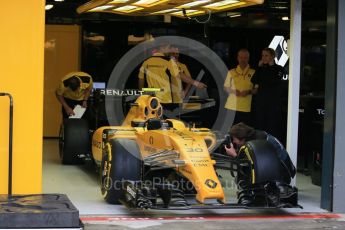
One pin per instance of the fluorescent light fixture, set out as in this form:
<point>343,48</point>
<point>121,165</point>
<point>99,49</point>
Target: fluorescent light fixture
<point>128,9</point>
<point>164,7</point>
<point>234,15</point>
<point>194,3</point>
<point>117,1</point>
<point>100,8</point>
<point>59,0</point>
<point>285,18</point>
<point>165,11</point>
<point>148,3</point>
<point>313,29</point>
<point>221,4</point>
<point>280,7</point>
<point>188,13</point>
<point>49,6</point>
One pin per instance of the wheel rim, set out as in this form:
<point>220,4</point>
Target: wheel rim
<point>106,180</point>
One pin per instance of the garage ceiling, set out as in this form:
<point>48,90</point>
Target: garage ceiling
<point>179,8</point>
<point>269,13</point>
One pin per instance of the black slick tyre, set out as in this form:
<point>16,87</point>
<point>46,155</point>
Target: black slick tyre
<point>74,140</point>
<point>121,161</point>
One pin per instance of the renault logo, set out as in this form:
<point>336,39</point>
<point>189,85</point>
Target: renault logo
<point>210,183</point>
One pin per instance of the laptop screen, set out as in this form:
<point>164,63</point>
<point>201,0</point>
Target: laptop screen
<point>99,85</point>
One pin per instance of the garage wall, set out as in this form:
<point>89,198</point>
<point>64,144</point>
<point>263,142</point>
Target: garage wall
<point>62,49</point>
<point>21,74</point>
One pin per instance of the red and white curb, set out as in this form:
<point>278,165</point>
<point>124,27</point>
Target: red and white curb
<point>95,219</point>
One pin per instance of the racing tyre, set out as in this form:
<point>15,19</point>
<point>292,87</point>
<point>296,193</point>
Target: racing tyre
<point>266,164</point>
<point>121,162</point>
<point>74,140</point>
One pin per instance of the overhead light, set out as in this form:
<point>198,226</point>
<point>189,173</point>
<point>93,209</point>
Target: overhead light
<point>164,7</point>
<point>194,3</point>
<point>224,4</point>
<point>59,0</point>
<point>313,29</point>
<point>148,3</point>
<point>233,14</point>
<point>280,7</point>
<point>285,18</point>
<point>165,11</point>
<point>118,1</point>
<point>188,13</point>
<point>100,8</point>
<point>49,6</point>
<point>128,9</point>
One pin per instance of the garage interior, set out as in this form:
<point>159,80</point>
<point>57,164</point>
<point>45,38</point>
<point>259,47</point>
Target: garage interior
<point>94,42</point>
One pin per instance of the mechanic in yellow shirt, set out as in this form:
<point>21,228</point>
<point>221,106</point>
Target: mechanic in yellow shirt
<point>240,88</point>
<point>161,71</point>
<point>182,69</point>
<point>74,89</point>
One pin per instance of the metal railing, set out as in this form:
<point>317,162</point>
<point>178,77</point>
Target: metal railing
<point>10,143</point>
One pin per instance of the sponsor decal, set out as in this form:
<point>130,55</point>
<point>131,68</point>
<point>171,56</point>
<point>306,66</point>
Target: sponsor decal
<point>321,111</point>
<point>279,44</point>
<point>210,183</point>
<point>121,93</point>
<point>131,191</point>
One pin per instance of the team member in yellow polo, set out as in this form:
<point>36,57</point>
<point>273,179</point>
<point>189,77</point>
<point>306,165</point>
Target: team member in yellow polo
<point>184,88</point>
<point>160,71</point>
<point>239,87</point>
<point>74,89</point>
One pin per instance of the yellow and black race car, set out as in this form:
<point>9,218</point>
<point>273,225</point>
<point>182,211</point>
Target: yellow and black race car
<point>151,162</point>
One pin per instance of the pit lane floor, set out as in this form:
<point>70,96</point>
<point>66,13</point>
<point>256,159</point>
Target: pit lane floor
<point>81,185</point>
<point>267,223</point>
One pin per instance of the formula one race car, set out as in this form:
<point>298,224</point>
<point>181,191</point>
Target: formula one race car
<point>149,162</point>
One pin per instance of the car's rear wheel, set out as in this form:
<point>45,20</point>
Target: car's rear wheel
<point>121,162</point>
<point>74,140</point>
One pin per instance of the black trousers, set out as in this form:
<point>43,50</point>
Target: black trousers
<point>244,117</point>
<point>269,118</point>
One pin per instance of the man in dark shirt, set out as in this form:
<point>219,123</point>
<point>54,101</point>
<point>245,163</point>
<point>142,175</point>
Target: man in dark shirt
<point>241,133</point>
<point>270,88</point>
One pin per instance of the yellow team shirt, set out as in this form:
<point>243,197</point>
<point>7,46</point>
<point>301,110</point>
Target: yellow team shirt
<point>183,69</point>
<point>161,72</point>
<point>177,82</point>
<point>78,95</point>
<point>239,79</point>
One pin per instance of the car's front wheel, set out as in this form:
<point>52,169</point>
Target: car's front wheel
<point>121,161</point>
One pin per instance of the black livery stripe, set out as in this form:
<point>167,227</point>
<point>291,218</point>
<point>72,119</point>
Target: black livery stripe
<point>167,71</point>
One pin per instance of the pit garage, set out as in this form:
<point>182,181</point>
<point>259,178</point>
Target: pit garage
<point>99,42</point>
<point>103,49</point>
